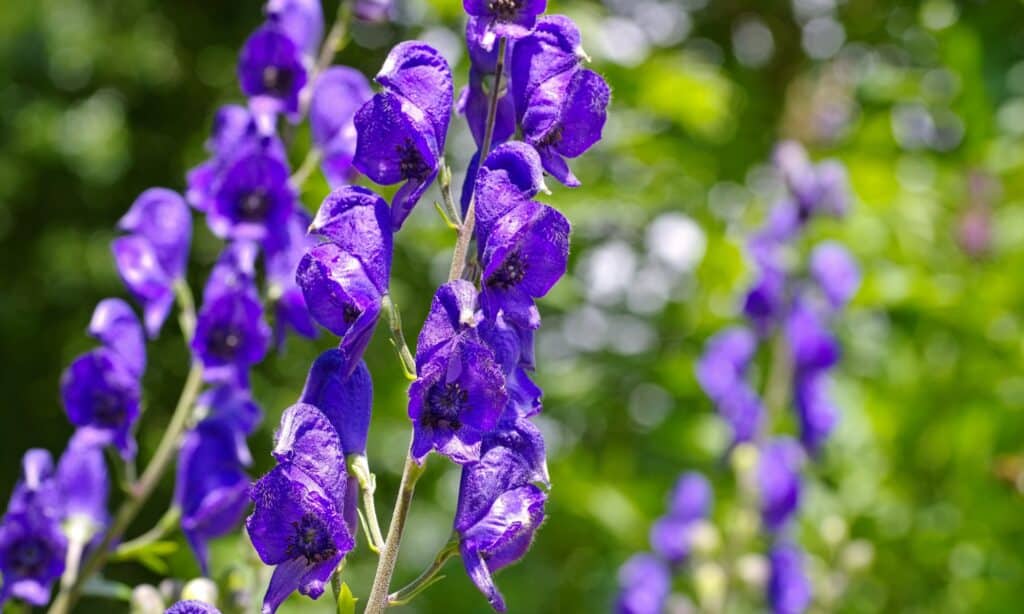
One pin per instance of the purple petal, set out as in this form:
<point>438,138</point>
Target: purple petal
<point>344,393</point>
<point>789,588</point>
<point>143,275</point>
<point>270,67</point>
<point>553,48</point>
<point>778,478</point>
<point>453,309</point>
<point>253,200</point>
<point>419,73</point>
<point>307,440</point>
<point>102,393</point>
<point>300,20</point>
<point>835,272</point>
<point>83,482</point>
<point>230,334</point>
<point>163,218</point>
<point>645,583</point>
<point>358,221</point>
<point>337,94</point>
<point>395,140</point>
<point>116,326</point>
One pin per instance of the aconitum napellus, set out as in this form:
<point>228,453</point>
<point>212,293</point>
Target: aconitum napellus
<point>472,397</point>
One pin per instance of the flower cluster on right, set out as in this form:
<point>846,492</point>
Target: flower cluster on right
<point>790,311</point>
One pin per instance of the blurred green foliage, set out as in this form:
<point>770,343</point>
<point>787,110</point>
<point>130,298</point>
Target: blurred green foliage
<point>924,101</point>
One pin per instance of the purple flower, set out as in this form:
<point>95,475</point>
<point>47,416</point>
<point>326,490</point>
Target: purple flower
<point>452,311</point>
<point>812,345</point>
<point>396,143</point>
<point>300,20</point>
<point>234,272</point>
<point>458,396</point>
<point>344,395</point>
<point>778,478</point>
<point>419,73</point>
<point>671,535</point>
<point>32,553</point>
<point>231,335</point>
<point>817,189</point>
<point>340,296</point>
<point>521,436</point>
<point>789,588</point>
<point>253,199</point>
<point>765,302</point>
<point>510,177</point>
<point>282,260</point>
<point>101,396</point>
<point>644,585</point>
<point>271,70</point>
<point>304,517</point>
<point>145,278</point>
<point>337,94</point>
<point>357,221</point>
<point>402,130</point>
<point>741,409</point>
<point>373,10</point>
<point>212,487</point>
<point>36,491</point>
<point>162,217</point>
<point>498,512</point>
<point>82,481</point>
<point>816,413</point>
<point>235,134</point>
<point>192,606</point>
<point>507,18</point>
<point>835,272</point>
<point>554,48</point>
<point>721,369</point>
<point>526,253</point>
<point>234,406</point>
<point>115,325</point>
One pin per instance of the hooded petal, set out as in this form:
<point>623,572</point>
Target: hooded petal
<point>270,67</point>
<point>116,326</point>
<point>253,200</point>
<point>144,276</point>
<point>308,441</point>
<point>300,20</point>
<point>231,335</point>
<point>101,393</point>
<point>344,394</point>
<point>453,309</point>
<point>358,221</point>
<point>163,218</point>
<point>778,477</point>
<point>835,272</point>
<point>789,588</point>
<point>83,483</point>
<point>337,94</point>
<point>419,73</point>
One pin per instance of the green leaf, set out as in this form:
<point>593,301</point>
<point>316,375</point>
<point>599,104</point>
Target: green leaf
<point>346,600</point>
<point>101,587</point>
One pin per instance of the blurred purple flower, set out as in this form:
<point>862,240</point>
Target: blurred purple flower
<point>644,585</point>
<point>300,20</point>
<point>271,70</point>
<point>835,272</point>
<point>778,478</point>
<point>337,94</point>
<point>789,588</point>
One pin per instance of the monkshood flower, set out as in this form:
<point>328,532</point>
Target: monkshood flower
<point>789,588</point>
<point>83,485</point>
<point>36,491</point>
<point>835,272</point>
<point>300,523</point>
<point>345,278</point>
<point>337,94</point>
<point>300,20</point>
<point>231,334</point>
<point>101,388</point>
<point>271,70</point>
<point>32,553</point>
<point>235,134</point>
<point>212,488</point>
<point>402,130</point>
<point>459,393</point>
<point>344,397</point>
<point>153,256</point>
<point>253,199</point>
<point>765,303</point>
<point>373,10</point>
<point>815,411</point>
<point>644,585</point>
<point>527,252</point>
<point>498,513</point>
<point>723,365</point>
<point>816,189</point>
<point>510,177</point>
<point>671,536</point>
<point>191,606</point>
<point>778,479</point>
<point>282,259</point>
<point>811,344</point>
<point>506,18</point>
<point>561,106</point>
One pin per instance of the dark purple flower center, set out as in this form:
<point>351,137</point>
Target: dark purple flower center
<point>411,161</point>
<point>254,205</point>
<point>445,403</point>
<point>311,540</point>
<point>107,408</point>
<point>224,342</point>
<point>350,313</point>
<point>552,138</point>
<point>29,557</point>
<point>505,9</point>
<point>510,273</point>
<point>278,80</point>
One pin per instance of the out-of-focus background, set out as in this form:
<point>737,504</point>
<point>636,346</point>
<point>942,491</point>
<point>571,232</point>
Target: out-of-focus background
<point>923,101</point>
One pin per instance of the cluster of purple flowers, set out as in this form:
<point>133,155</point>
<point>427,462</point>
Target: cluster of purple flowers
<point>789,310</point>
<point>646,579</point>
<point>472,397</point>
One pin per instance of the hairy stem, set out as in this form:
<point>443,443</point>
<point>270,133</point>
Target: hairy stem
<point>167,523</point>
<point>469,224</point>
<point>360,468</point>
<point>428,577</point>
<point>378,600</point>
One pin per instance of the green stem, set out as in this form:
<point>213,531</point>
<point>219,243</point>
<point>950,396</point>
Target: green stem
<point>186,309</point>
<point>306,169</point>
<point>167,523</point>
<point>428,577</point>
<point>398,336</point>
<point>336,39</point>
<point>360,468</point>
<point>469,224</point>
<point>378,600</point>
<point>780,378</point>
